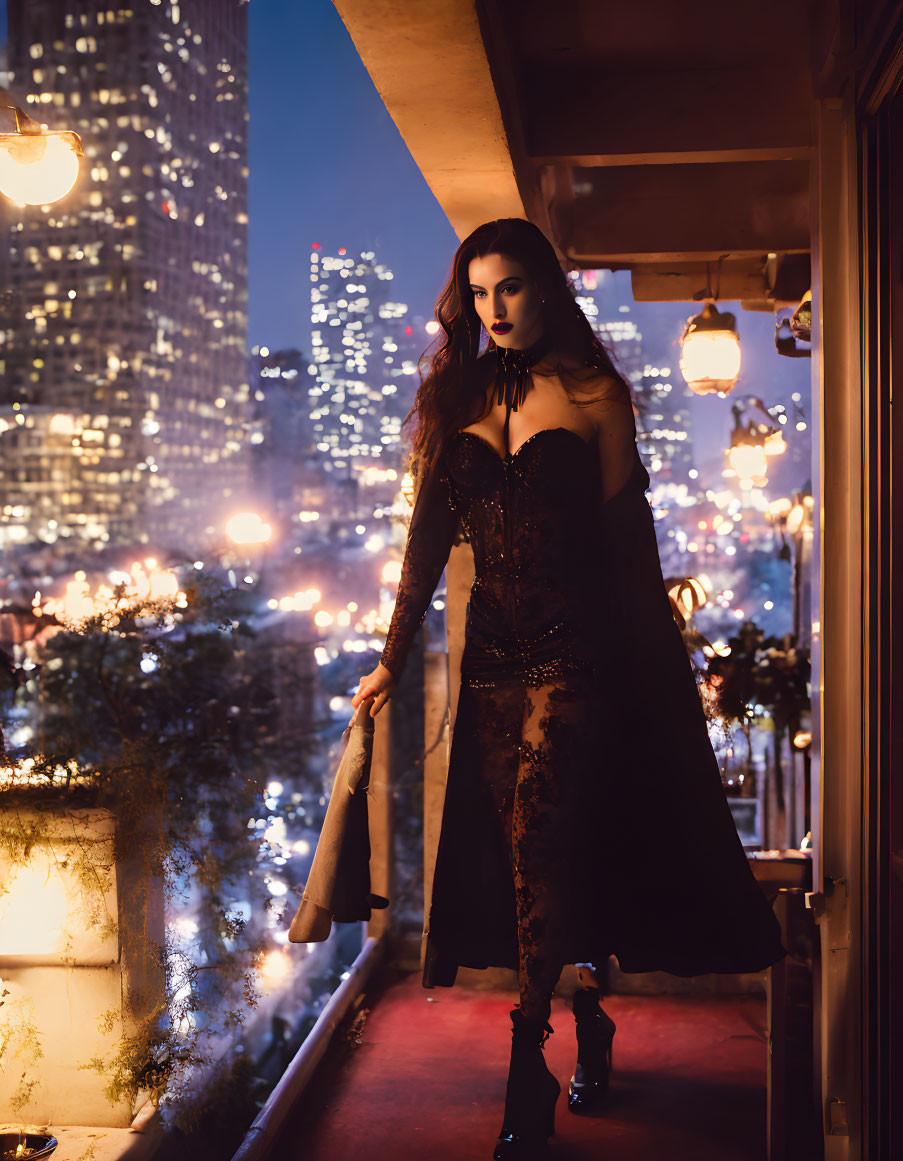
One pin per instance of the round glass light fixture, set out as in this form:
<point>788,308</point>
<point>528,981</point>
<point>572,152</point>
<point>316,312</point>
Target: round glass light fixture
<point>37,167</point>
<point>749,462</point>
<point>710,351</point>
<point>751,445</point>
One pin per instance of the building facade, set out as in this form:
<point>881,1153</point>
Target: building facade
<point>124,317</point>
<point>365,353</point>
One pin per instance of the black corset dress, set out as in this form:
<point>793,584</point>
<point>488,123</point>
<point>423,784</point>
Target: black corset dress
<point>523,515</point>
<point>584,812</point>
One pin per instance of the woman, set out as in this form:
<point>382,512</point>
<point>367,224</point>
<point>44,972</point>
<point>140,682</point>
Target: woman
<point>584,812</point>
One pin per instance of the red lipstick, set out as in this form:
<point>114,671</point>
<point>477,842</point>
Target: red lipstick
<point>501,328</point>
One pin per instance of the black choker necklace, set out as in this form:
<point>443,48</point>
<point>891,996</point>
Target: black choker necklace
<point>514,364</point>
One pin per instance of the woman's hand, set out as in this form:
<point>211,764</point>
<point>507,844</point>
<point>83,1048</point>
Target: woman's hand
<point>380,683</point>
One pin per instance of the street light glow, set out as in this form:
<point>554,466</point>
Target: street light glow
<point>248,528</point>
<point>37,168</point>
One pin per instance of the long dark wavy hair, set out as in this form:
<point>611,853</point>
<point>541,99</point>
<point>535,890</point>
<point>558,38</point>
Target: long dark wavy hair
<point>455,392</point>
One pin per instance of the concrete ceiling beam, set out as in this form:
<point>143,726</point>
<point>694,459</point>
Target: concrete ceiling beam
<point>429,66</point>
<point>676,212</point>
<point>744,112</point>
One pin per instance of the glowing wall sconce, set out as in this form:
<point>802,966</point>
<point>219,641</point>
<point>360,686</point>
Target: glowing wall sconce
<point>62,914</point>
<point>800,326</point>
<point>33,910</point>
<point>47,913</point>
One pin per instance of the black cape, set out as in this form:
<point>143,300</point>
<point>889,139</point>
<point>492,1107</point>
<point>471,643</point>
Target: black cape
<point>667,881</point>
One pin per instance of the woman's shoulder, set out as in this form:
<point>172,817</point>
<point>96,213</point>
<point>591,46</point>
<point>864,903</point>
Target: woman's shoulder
<point>604,397</point>
<point>591,384</point>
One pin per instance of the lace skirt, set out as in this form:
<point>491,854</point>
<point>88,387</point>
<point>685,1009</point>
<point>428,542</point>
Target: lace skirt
<point>521,848</point>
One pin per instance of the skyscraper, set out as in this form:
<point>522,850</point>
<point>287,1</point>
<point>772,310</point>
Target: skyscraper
<point>123,371</point>
<point>363,359</point>
<point>282,447</point>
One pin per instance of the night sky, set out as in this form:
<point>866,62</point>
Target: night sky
<point>327,164</point>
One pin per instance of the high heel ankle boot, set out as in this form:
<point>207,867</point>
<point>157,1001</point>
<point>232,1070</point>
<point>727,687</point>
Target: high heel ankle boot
<point>531,1094</point>
<point>595,1031</point>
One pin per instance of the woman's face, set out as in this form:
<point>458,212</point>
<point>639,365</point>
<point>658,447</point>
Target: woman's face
<point>505,297</point>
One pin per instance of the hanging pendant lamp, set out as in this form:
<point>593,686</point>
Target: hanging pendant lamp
<point>710,351</point>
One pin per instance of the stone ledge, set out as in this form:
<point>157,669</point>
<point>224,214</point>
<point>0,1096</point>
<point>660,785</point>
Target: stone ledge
<point>94,1143</point>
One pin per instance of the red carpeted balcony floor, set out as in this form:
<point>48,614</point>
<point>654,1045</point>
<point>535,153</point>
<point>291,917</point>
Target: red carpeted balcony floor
<point>428,1081</point>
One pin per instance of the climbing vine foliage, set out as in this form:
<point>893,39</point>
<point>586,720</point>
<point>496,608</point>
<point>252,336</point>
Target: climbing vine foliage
<point>159,725</point>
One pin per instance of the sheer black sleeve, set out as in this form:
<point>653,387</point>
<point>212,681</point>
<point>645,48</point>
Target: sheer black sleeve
<point>634,585</point>
<point>430,536</point>
<point>616,431</point>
